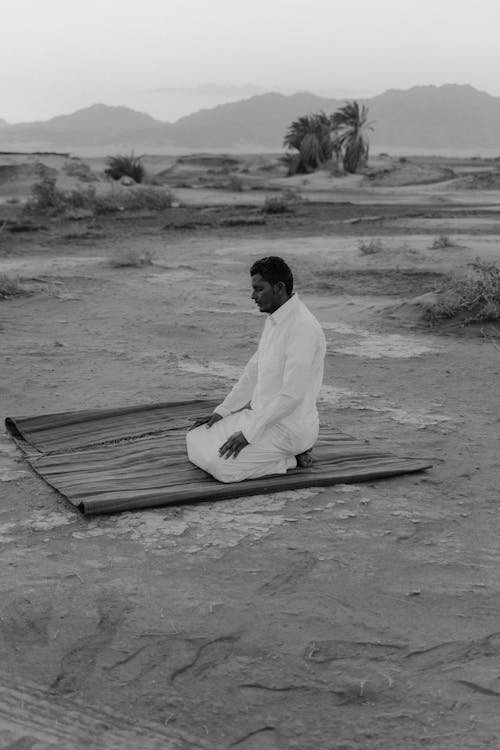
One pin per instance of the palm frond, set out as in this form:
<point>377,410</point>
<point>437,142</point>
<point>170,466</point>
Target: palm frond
<point>350,125</point>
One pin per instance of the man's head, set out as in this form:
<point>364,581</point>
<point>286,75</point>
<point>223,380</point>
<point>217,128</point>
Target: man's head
<point>272,283</point>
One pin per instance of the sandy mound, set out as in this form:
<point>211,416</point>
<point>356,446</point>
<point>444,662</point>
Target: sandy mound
<point>479,181</point>
<point>405,172</point>
<point>219,172</point>
<point>321,180</point>
<point>195,170</point>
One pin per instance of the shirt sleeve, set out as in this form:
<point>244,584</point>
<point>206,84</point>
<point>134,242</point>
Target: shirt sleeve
<point>300,356</point>
<point>242,392</point>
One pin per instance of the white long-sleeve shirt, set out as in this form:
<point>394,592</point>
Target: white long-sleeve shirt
<point>283,378</point>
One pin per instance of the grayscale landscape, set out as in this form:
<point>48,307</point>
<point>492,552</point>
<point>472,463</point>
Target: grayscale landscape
<point>359,616</point>
<point>364,610</point>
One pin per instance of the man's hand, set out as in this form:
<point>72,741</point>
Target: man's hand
<point>233,445</point>
<point>209,420</point>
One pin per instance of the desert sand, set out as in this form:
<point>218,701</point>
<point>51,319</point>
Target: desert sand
<point>356,617</point>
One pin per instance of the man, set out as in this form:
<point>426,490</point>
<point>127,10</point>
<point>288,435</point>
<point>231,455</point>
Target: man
<point>280,384</point>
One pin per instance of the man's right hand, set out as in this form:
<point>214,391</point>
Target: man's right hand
<point>208,420</point>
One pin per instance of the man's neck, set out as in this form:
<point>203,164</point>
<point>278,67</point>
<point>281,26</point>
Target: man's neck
<point>283,302</point>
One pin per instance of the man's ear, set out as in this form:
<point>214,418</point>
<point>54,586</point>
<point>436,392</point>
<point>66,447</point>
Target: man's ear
<point>280,286</point>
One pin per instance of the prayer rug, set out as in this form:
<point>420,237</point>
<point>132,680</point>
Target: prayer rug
<point>109,460</point>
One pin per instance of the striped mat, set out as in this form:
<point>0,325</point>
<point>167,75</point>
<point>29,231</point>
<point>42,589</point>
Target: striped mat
<point>110,460</point>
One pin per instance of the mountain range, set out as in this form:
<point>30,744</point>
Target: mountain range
<point>433,117</point>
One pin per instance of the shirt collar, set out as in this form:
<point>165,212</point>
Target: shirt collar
<point>282,313</point>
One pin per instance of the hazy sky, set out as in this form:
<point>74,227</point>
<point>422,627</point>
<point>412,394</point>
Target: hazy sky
<point>60,55</point>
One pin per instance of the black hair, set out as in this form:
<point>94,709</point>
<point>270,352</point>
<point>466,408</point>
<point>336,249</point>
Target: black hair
<point>274,269</point>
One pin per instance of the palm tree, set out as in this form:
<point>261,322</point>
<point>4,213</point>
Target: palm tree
<point>310,136</point>
<point>350,125</point>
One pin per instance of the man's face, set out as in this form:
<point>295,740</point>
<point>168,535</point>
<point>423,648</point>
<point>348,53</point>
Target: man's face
<point>265,295</point>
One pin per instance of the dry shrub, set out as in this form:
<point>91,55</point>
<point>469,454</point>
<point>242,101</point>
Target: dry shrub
<point>10,287</point>
<point>371,247</point>
<point>134,198</point>
<point>45,196</point>
<point>243,221</point>
<point>79,231</point>
<point>83,198</point>
<point>80,170</point>
<point>132,259</point>
<point>276,204</point>
<point>480,181</point>
<point>286,200</point>
<point>469,297</point>
<point>122,165</point>
<point>292,196</point>
<point>442,242</point>
<point>233,183</point>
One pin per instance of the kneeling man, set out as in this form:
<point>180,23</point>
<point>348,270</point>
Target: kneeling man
<point>269,422</point>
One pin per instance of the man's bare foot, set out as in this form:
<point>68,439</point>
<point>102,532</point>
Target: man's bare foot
<point>305,460</point>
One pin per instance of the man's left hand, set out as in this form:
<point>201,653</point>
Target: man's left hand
<point>233,445</point>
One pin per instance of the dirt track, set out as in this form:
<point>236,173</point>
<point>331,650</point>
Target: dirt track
<point>362,616</point>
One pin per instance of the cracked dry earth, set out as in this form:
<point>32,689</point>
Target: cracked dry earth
<point>353,617</point>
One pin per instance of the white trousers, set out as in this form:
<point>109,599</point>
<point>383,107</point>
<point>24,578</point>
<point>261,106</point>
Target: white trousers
<point>273,453</point>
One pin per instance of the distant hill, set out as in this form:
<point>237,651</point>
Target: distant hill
<point>98,124</point>
<point>436,116</point>
<point>449,116</point>
<point>101,117</point>
<point>261,120</point>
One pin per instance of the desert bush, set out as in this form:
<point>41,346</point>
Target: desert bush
<point>469,297</point>
<point>134,198</point>
<point>371,247</point>
<point>79,198</point>
<point>81,231</point>
<point>10,287</point>
<point>232,183</point>
<point>45,196</point>
<point>442,242</point>
<point>243,221</point>
<point>292,196</point>
<point>122,165</point>
<point>81,170</point>
<point>276,204</point>
<point>132,259</point>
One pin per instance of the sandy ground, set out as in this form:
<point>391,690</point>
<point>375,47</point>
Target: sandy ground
<point>353,617</point>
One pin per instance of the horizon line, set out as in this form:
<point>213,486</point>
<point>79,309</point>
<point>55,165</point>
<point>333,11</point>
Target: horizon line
<point>6,123</point>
